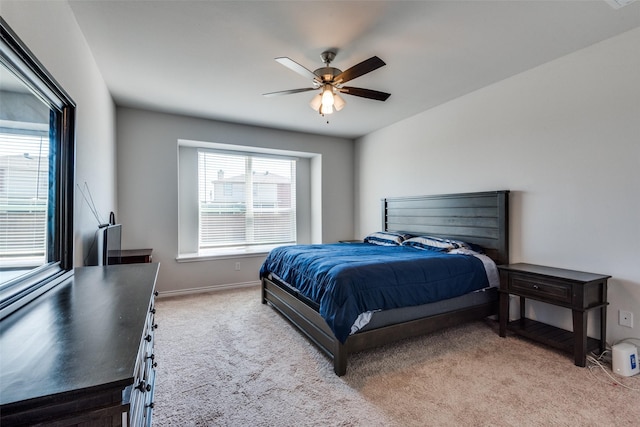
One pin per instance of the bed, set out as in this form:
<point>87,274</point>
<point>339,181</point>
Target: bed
<point>478,219</point>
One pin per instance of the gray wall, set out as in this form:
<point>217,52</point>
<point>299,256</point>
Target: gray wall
<point>563,137</point>
<point>148,191</point>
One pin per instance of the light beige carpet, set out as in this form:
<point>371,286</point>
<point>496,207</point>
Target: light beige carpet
<point>225,359</point>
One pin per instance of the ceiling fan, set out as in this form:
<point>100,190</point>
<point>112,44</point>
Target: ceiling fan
<point>330,81</point>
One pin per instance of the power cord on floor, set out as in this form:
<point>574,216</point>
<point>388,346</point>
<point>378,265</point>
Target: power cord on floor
<point>595,363</point>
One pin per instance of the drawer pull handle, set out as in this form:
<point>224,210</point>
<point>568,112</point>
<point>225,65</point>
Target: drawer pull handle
<point>151,405</point>
<point>536,287</point>
<point>155,326</point>
<point>156,293</point>
<point>153,364</point>
<point>153,311</point>
<point>148,338</point>
<point>144,387</point>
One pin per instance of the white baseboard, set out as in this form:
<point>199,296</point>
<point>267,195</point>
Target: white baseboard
<point>212,288</point>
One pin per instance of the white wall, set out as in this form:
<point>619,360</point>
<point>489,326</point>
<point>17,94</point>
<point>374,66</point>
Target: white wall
<point>148,190</point>
<point>50,31</point>
<point>564,138</point>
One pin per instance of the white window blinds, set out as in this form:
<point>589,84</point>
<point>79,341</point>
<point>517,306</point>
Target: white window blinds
<point>24,188</point>
<point>245,199</point>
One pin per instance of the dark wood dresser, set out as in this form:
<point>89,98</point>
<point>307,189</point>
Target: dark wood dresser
<point>82,354</point>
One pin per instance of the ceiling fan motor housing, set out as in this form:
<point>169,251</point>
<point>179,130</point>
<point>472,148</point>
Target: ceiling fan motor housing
<point>327,74</point>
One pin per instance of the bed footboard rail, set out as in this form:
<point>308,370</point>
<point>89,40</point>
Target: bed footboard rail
<point>308,321</point>
<point>314,327</point>
<point>377,337</point>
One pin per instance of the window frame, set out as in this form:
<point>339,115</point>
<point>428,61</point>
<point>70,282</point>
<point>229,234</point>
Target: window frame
<point>16,57</point>
<point>245,245</point>
<point>307,165</point>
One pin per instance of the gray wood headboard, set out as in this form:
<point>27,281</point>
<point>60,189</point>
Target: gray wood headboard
<point>478,218</point>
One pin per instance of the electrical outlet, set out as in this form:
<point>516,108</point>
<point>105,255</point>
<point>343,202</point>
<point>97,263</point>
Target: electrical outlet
<point>625,318</point>
<point>237,266</point>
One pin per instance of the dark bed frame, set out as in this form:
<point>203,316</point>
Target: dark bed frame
<point>479,218</point>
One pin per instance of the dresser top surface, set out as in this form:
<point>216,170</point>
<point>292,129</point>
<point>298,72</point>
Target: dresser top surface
<point>83,334</point>
<point>559,273</point>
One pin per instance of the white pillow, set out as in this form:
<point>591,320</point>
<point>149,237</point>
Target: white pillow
<point>386,238</point>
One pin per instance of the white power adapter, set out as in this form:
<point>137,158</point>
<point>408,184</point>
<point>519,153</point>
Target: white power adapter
<point>624,360</point>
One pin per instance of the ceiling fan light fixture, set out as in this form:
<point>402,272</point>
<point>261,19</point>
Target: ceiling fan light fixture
<point>316,102</point>
<point>326,101</point>
<point>326,109</point>
<point>327,96</point>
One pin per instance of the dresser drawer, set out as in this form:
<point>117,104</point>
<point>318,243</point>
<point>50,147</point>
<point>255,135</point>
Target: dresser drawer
<point>141,392</point>
<point>543,289</point>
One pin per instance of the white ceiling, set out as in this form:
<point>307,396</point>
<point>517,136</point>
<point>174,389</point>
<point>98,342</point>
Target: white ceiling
<point>214,59</point>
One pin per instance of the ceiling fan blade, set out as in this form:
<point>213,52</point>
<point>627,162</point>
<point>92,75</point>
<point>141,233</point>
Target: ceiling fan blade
<point>365,93</point>
<point>288,92</point>
<point>294,66</point>
<point>360,69</point>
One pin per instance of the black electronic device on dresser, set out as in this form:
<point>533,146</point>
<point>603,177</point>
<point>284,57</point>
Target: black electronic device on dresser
<point>82,354</point>
<point>578,291</point>
<point>108,244</point>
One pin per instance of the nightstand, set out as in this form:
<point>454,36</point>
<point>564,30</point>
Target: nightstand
<point>131,256</point>
<point>575,290</point>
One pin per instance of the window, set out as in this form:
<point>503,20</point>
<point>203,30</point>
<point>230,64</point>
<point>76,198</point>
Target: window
<point>24,191</point>
<point>36,176</point>
<point>245,199</point>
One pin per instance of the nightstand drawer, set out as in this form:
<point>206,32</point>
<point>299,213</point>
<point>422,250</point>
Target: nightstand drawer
<point>543,290</point>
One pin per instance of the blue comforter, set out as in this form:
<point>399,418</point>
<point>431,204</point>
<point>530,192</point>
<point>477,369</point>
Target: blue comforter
<point>347,279</point>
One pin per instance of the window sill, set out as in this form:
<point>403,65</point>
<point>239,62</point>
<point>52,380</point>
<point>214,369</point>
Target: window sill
<point>227,253</point>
